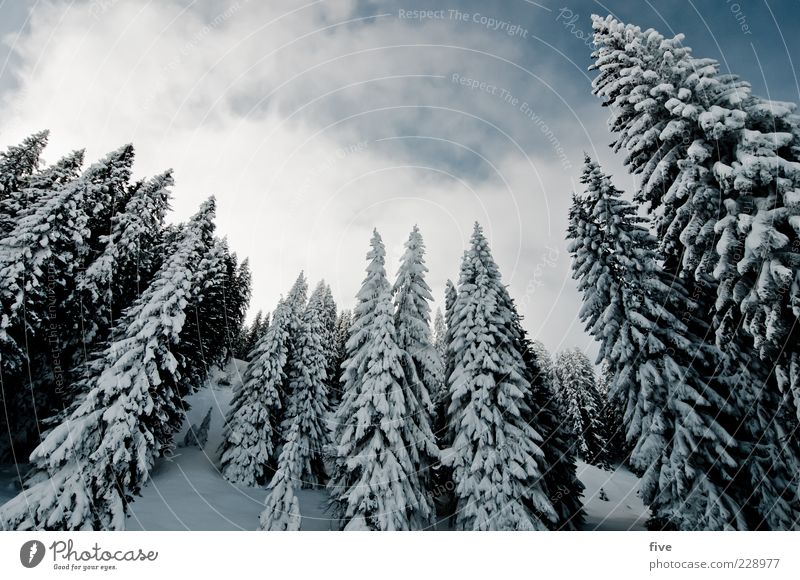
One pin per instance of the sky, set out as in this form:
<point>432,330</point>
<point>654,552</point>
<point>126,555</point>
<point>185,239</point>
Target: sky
<point>313,122</point>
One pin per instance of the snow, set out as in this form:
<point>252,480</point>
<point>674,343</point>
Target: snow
<point>624,509</point>
<point>187,490</point>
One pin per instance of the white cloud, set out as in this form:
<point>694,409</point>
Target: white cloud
<point>268,107</point>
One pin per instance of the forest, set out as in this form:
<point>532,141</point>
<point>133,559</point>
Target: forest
<point>409,418</point>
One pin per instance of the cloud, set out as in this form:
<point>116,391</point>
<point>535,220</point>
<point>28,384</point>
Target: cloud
<point>314,123</point>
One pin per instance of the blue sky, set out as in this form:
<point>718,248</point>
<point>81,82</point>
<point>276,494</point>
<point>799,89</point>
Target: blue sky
<point>315,122</point>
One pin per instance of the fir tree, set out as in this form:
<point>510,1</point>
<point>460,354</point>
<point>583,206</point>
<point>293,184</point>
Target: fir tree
<point>251,425</point>
<point>440,334</point>
<point>47,238</point>
<point>545,361</point>
<point>306,409</point>
<point>702,143</point>
<point>611,416</point>
<point>237,293</point>
<point>580,400</point>
<point>330,318</point>
<point>343,323</point>
<point>250,336</point>
<point>122,271</point>
<point>89,467</point>
<point>421,362</point>
<point>357,345</point>
<point>376,484</point>
<point>676,417</point>
<point>281,509</point>
<point>548,416</point>
<point>442,401</point>
<point>498,466</point>
<point>18,164</point>
<point>252,428</point>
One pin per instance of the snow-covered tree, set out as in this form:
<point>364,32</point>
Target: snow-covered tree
<point>450,295</point>
<point>305,433</point>
<point>251,334</point>
<point>330,317</point>
<point>107,193</point>
<point>498,465</point>
<point>412,321</point>
<point>17,165</point>
<point>88,467</point>
<point>719,169</point>
<point>281,509</point>
<point>611,415</point>
<point>673,413</point>
<point>357,345</point>
<point>304,423</point>
<point>252,431</point>
<point>558,442</point>
<point>251,424</point>
<point>579,398</point>
<point>439,340</point>
<point>440,334</point>
<point>421,362</point>
<point>343,322</point>
<point>376,484</point>
<point>40,255</point>
<point>442,400</point>
<point>39,260</point>
<point>123,269</point>
<point>545,361</point>
<point>237,288</point>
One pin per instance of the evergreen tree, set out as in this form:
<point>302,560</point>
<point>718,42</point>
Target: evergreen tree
<point>37,273</point>
<point>123,270</point>
<point>306,409</point>
<point>107,192</point>
<point>281,509</point>
<point>250,336</point>
<point>421,362</point>
<point>440,334</point>
<point>89,467</point>
<point>703,143</point>
<point>581,402</point>
<point>498,466</point>
<point>545,362</point>
<point>38,257</point>
<point>442,401</point>
<point>330,318</point>
<point>439,339</point>
<point>357,345</point>
<point>237,293</point>
<point>376,485</point>
<point>18,164</point>
<point>611,416</point>
<point>558,443</point>
<point>343,323</point>
<point>450,295</point>
<point>676,417</point>
<point>250,428</point>
<point>204,344</point>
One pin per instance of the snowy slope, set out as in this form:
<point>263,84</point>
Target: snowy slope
<point>187,491</point>
<point>623,510</point>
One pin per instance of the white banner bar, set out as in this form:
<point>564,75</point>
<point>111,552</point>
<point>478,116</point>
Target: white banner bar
<point>616,555</point>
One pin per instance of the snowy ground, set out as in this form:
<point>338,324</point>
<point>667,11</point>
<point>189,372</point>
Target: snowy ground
<point>623,510</point>
<point>187,492</point>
